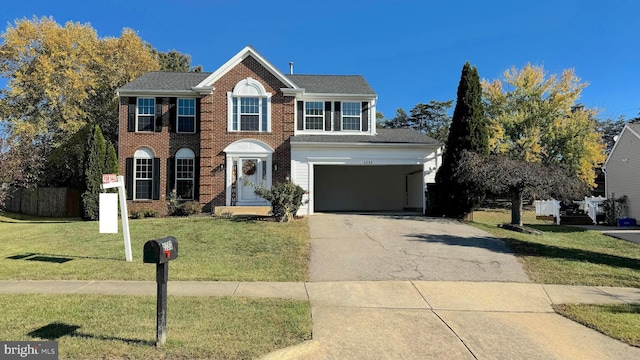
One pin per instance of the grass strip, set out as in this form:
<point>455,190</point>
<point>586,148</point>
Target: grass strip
<point>619,321</point>
<point>118,327</point>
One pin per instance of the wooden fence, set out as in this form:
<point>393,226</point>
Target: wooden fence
<point>50,202</point>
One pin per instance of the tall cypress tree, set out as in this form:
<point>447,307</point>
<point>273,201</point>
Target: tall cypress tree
<point>467,132</point>
<point>94,167</point>
<point>111,160</point>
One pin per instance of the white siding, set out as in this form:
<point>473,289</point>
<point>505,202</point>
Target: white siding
<point>304,156</point>
<point>623,172</point>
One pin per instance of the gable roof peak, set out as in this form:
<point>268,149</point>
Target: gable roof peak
<point>238,58</point>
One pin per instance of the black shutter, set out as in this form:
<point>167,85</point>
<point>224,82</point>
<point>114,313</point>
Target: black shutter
<point>198,109</point>
<point>196,178</point>
<point>327,116</point>
<point>337,118</point>
<point>128,176</point>
<point>300,115</point>
<point>173,114</point>
<point>171,179</point>
<point>365,116</point>
<point>158,114</point>
<point>131,119</point>
<point>156,179</point>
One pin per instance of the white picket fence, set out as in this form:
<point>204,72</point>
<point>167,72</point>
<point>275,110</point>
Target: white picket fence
<point>591,205</point>
<point>548,208</point>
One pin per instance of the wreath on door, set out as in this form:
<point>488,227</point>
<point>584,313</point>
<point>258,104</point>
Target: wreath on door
<point>249,167</point>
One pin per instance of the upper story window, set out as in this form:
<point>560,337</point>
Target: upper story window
<point>314,115</point>
<point>249,107</point>
<point>351,116</point>
<point>186,115</point>
<point>145,114</point>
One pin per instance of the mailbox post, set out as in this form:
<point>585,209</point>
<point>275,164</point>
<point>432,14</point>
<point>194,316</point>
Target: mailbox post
<point>159,252</point>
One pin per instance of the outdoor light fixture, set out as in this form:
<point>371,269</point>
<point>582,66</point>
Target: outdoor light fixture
<point>275,166</point>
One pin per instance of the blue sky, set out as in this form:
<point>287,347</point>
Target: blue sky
<point>410,51</point>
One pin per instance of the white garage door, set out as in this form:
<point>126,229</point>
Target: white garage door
<point>367,188</point>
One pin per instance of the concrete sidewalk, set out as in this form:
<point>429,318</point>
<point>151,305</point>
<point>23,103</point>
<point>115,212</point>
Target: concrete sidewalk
<point>410,319</point>
<point>321,293</point>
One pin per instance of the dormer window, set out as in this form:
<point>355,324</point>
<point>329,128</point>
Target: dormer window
<point>249,107</point>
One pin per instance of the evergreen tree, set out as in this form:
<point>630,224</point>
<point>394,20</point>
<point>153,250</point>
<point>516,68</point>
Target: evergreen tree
<point>467,132</point>
<point>111,161</point>
<point>94,167</point>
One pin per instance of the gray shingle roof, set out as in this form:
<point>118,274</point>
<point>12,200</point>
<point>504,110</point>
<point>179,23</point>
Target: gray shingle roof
<point>635,127</point>
<point>333,84</point>
<point>384,136</point>
<point>171,81</point>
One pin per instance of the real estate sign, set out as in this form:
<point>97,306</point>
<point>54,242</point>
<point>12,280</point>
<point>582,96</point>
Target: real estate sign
<point>110,181</point>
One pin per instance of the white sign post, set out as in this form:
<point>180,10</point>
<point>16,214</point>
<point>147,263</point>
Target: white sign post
<point>110,181</point>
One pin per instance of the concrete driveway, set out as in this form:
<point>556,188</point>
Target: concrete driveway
<point>347,247</point>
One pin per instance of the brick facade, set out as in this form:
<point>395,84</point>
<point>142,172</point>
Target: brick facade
<point>208,144</point>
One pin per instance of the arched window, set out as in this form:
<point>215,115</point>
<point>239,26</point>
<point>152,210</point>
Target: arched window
<point>185,173</point>
<point>249,107</point>
<point>143,174</point>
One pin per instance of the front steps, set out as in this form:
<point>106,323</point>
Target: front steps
<point>242,210</point>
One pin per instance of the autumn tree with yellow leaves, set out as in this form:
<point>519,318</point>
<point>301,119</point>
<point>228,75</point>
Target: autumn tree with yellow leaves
<point>536,118</point>
<point>62,78</point>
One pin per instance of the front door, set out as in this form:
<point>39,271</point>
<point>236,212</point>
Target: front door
<point>250,170</point>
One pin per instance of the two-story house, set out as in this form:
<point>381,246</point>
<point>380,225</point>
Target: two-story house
<point>210,135</point>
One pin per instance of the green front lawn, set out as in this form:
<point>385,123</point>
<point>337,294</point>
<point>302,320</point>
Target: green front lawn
<point>573,256</point>
<point>124,327</point>
<point>619,321</point>
<point>566,254</point>
<point>209,249</point>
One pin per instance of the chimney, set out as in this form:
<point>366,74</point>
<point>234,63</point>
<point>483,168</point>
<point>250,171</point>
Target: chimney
<point>291,68</point>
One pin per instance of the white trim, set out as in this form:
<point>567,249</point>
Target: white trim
<point>249,146</point>
<point>249,88</point>
<point>185,153</point>
<point>342,116</point>
<point>626,127</point>
<point>237,59</point>
<point>164,93</point>
<point>332,145</point>
<point>242,149</point>
<point>304,113</point>
<point>194,116</point>
<point>337,97</point>
<point>136,178</point>
<point>153,115</point>
<point>143,153</point>
<point>193,170</point>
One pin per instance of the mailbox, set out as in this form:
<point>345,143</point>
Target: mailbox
<point>160,251</point>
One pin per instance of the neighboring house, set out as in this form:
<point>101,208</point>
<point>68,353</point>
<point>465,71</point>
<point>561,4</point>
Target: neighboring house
<point>209,135</point>
<point>622,169</point>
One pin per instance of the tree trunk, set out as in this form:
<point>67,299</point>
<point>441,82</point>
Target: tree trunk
<point>516,207</point>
